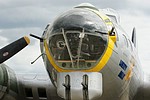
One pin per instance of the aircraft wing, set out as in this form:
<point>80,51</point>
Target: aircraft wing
<point>144,91</point>
<point>25,86</point>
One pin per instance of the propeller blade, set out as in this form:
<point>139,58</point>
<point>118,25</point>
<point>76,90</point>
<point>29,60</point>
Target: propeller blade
<point>13,48</point>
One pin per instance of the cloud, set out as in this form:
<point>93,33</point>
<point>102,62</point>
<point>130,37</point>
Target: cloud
<point>36,13</point>
<point>24,17</point>
<point>3,41</point>
<point>13,34</point>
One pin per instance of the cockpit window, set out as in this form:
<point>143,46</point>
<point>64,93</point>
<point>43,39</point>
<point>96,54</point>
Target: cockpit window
<point>77,50</point>
<point>75,39</point>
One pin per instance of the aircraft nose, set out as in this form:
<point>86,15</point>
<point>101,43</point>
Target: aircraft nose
<point>79,40</point>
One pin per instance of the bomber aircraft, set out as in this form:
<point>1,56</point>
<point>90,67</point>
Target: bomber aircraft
<point>87,55</point>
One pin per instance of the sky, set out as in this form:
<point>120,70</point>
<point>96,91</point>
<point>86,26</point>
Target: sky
<point>19,18</point>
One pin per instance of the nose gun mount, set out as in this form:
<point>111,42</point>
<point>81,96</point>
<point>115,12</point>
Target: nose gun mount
<point>79,85</point>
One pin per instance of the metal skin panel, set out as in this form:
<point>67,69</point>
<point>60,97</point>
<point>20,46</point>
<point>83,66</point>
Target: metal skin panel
<point>34,82</point>
<point>118,87</point>
<point>122,75</point>
<point>77,89</point>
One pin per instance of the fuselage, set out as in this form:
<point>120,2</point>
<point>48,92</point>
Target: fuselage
<point>82,41</point>
<point>87,55</point>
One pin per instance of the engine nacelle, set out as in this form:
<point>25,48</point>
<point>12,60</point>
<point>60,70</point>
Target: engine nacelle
<point>8,83</point>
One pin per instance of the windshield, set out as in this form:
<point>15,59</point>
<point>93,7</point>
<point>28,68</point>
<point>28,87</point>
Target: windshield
<point>77,50</point>
<point>76,39</point>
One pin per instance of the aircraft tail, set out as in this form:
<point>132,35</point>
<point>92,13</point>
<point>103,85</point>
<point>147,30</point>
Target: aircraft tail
<point>134,37</point>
